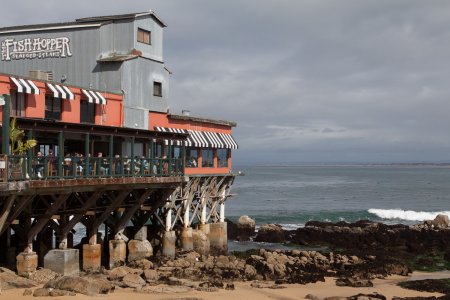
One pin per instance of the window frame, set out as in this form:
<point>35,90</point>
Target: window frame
<point>142,34</point>
<point>51,115</point>
<point>18,104</point>
<point>85,115</point>
<point>189,156</point>
<point>157,89</point>
<point>223,163</point>
<point>207,161</point>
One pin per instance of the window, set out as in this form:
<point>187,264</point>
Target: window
<point>18,104</point>
<point>52,107</point>
<point>87,112</point>
<point>144,36</point>
<point>157,89</point>
<point>191,158</point>
<point>176,152</point>
<point>222,158</point>
<point>207,158</point>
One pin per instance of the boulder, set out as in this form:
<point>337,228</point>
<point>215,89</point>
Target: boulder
<point>43,275</point>
<point>133,281</point>
<point>245,228</point>
<point>139,250</point>
<point>441,221</point>
<point>151,275</point>
<point>49,292</point>
<point>270,233</point>
<point>10,280</point>
<point>86,286</point>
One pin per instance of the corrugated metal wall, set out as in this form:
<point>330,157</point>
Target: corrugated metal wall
<point>134,77</point>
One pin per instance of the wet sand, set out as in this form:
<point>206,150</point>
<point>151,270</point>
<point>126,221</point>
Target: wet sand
<point>386,287</point>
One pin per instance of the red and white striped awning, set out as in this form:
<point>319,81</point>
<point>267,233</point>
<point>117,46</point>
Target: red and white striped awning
<point>25,86</point>
<point>61,91</point>
<point>94,97</point>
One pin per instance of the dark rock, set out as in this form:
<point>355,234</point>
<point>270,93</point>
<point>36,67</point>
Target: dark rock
<point>270,233</point>
<point>354,282</point>
<point>312,297</point>
<point>230,287</point>
<point>245,228</point>
<point>374,296</point>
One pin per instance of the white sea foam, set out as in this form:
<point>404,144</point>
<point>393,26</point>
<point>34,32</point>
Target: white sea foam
<point>408,215</point>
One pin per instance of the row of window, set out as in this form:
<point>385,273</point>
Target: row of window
<point>53,108</point>
<point>207,158</point>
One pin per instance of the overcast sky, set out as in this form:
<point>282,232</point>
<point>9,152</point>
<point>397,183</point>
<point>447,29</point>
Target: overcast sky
<point>306,81</point>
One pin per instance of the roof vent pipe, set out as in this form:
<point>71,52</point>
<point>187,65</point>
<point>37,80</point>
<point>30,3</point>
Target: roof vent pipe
<point>185,112</point>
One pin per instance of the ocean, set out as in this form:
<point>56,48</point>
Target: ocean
<point>291,196</point>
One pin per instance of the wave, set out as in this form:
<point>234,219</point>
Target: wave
<point>408,215</point>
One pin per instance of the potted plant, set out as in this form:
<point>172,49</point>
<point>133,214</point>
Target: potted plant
<point>19,147</point>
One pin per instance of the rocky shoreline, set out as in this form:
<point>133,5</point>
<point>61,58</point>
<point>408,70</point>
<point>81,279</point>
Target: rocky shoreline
<point>357,254</point>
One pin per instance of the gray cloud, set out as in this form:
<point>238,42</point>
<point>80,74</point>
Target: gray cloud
<point>307,81</point>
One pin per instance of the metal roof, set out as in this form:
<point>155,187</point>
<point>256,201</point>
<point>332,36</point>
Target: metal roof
<point>82,22</point>
<point>202,120</point>
<point>122,17</point>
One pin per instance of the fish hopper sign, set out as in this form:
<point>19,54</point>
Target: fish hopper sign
<point>28,48</point>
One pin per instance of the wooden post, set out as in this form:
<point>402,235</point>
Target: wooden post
<point>111,155</point>
<point>60,153</point>
<point>5,124</point>
<point>86,155</point>
<point>132,156</point>
<point>30,155</point>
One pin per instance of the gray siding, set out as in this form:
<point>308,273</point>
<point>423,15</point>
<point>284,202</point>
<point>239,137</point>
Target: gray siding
<point>138,76</point>
<point>155,50</point>
<point>78,69</point>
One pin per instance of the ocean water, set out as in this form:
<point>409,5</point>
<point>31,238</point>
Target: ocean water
<point>291,196</point>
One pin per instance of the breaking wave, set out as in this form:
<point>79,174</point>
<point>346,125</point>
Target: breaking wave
<point>408,215</point>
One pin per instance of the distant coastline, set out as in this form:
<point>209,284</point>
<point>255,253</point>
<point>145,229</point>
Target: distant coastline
<point>394,164</point>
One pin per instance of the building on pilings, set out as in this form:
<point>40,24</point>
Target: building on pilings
<point>94,94</point>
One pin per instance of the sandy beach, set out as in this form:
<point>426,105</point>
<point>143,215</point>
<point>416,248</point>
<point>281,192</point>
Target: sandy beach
<point>386,287</point>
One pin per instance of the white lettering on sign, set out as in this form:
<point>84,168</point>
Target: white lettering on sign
<point>13,49</point>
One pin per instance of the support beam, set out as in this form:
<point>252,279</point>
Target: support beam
<point>5,212</point>
<point>77,217</point>
<point>45,218</point>
<point>86,155</point>
<point>131,211</point>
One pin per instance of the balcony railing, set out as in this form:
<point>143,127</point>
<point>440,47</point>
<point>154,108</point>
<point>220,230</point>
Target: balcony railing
<point>23,167</point>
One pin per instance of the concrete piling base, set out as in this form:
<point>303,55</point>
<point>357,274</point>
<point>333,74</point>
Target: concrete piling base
<point>92,257</point>
<point>117,253</point>
<point>204,228</point>
<point>27,263</point>
<point>63,261</point>
<point>218,238</point>
<point>201,242</point>
<point>168,244</point>
<point>187,242</point>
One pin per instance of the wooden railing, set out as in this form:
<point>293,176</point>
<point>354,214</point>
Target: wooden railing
<point>23,167</point>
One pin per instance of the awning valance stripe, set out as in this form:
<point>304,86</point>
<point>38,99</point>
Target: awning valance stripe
<point>61,91</point>
<point>203,139</point>
<point>94,97</point>
<point>25,86</point>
